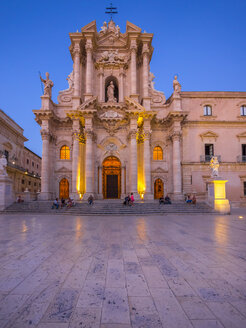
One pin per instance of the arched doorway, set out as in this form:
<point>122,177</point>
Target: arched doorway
<point>159,189</point>
<point>64,188</point>
<point>111,177</point>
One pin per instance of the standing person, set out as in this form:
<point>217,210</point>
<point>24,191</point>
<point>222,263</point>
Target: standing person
<point>56,203</point>
<point>132,199</point>
<point>194,199</point>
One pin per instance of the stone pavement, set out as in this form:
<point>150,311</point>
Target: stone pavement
<point>172,271</point>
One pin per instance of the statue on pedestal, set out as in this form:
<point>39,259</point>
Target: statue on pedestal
<point>110,92</point>
<point>3,164</point>
<point>104,28</point>
<point>48,84</point>
<point>176,85</point>
<point>214,164</point>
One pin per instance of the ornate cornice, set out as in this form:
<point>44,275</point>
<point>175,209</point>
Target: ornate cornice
<point>88,106</point>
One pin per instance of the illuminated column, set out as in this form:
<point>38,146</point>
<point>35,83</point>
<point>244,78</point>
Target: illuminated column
<point>89,165</point>
<point>75,159</point>
<point>133,164</point>
<point>88,67</point>
<point>133,67</point>
<point>45,170</point>
<point>121,86</point>
<point>101,88</point>
<point>147,166</point>
<point>176,166</point>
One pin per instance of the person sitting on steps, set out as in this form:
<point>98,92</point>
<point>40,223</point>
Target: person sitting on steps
<point>167,200</point>
<point>161,200</point>
<point>131,199</point>
<point>90,200</point>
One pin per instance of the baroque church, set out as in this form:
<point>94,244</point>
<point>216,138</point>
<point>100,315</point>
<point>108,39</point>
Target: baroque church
<point>111,133</point>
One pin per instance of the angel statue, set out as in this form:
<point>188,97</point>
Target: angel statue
<point>104,28</point>
<point>214,164</point>
<point>48,84</point>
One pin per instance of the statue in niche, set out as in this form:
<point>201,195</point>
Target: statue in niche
<point>110,92</point>
<point>3,164</point>
<point>176,85</point>
<point>104,28</point>
<point>48,84</point>
<point>214,164</point>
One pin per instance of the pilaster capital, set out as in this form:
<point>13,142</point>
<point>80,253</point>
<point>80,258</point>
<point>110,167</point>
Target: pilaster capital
<point>76,50</point>
<point>45,135</point>
<point>80,137</point>
<point>176,136</point>
<point>133,45</point>
<point>89,45</point>
<point>145,50</point>
<point>147,134</point>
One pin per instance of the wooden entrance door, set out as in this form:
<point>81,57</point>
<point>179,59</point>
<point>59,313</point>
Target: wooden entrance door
<point>64,188</point>
<point>111,177</point>
<point>159,189</point>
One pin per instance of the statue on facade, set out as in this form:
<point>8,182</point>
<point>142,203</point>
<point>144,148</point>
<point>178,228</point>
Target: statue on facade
<point>151,81</point>
<point>3,164</point>
<point>214,164</point>
<point>110,92</point>
<point>70,80</point>
<point>104,28</point>
<point>117,31</point>
<point>48,84</point>
<point>176,85</point>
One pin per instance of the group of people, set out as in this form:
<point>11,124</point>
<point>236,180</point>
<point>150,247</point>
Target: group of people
<point>166,200</point>
<point>56,204</point>
<point>129,200</point>
<point>19,199</point>
<point>190,200</point>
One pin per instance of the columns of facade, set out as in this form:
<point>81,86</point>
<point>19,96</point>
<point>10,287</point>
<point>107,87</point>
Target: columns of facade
<point>147,166</point>
<point>76,70</point>
<point>100,183</point>
<point>122,181</point>
<point>145,77</point>
<point>45,170</point>
<point>89,68</point>
<point>133,164</point>
<point>75,166</point>
<point>89,164</point>
<point>177,183</point>
<point>133,68</point>
<point>121,86</point>
<point>101,88</point>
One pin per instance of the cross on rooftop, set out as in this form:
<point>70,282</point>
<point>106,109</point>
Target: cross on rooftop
<point>111,10</point>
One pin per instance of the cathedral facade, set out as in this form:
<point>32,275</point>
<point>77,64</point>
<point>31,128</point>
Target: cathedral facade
<point>111,133</point>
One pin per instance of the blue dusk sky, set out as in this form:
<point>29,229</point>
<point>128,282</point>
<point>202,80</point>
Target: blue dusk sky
<point>204,42</point>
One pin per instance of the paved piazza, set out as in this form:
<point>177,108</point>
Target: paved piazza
<point>159,271</point>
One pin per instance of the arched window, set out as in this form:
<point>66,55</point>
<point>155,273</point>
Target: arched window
<point>243,110</point>
<point>64,152</point>
<point>157,154</point>
<point>207,110</point>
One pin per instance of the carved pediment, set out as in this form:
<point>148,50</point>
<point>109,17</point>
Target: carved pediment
<point>62,170</point>
<point>130,27</point>
<point>89,104</point>
<point>112,58</point>
<point>159,170</point>
<point>91,27</point>
<point>134,106</point>
<point>209,135</point>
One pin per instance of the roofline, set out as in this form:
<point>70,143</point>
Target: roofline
<point>32,152</point>
<point>213,94</point>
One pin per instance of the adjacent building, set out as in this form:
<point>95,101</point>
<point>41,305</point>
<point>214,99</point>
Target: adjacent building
<point>24,166</point>
<point>112,133</point>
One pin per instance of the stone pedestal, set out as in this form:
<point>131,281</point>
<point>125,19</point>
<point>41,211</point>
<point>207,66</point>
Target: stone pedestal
<point>27,195</point>
<point>7,197</point>
<point>217,196</point>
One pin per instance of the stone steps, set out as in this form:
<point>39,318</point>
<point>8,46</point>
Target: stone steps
<point>107,207</point>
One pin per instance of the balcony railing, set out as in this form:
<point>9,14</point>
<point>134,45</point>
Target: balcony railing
<point>207,158</point>
<point>20,168</point>
<point>241,159</point>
